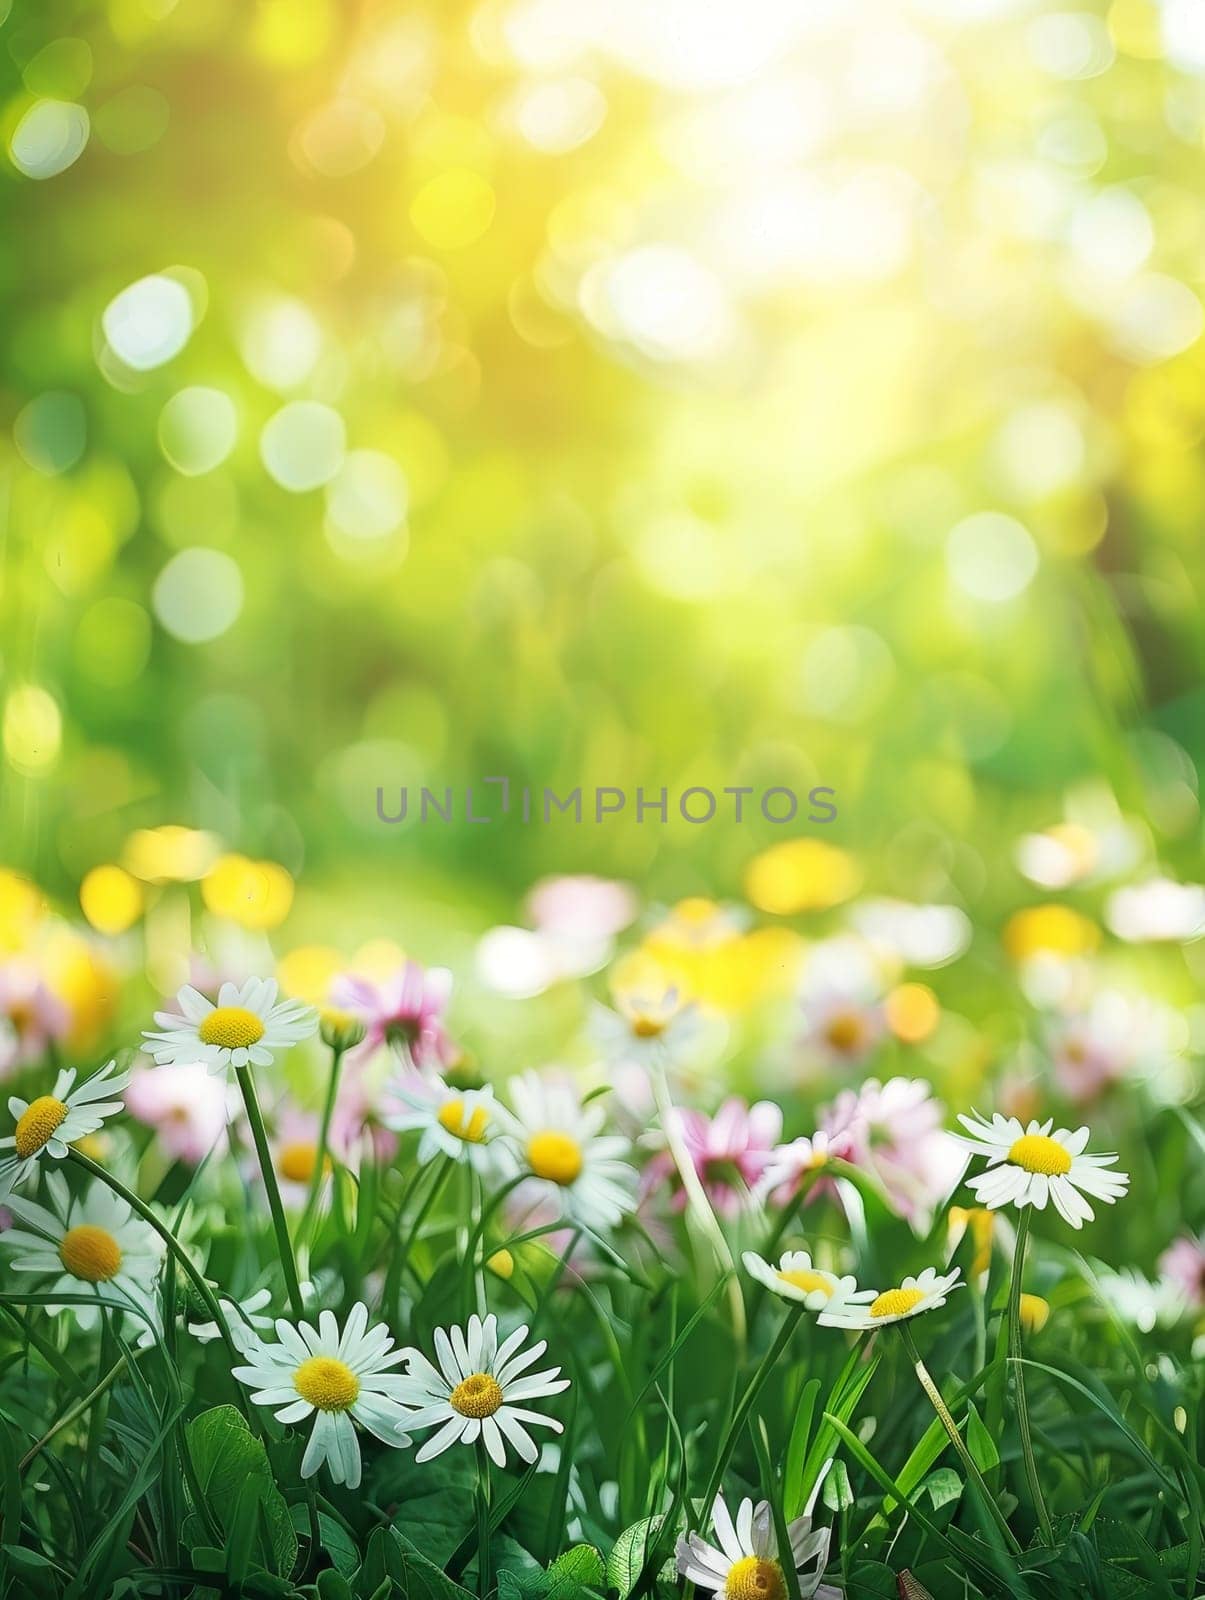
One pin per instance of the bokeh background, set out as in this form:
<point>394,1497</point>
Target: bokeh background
<point>601,392</point>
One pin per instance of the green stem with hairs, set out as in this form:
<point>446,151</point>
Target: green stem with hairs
<point>974,1476</point>
<point>284,1245</point>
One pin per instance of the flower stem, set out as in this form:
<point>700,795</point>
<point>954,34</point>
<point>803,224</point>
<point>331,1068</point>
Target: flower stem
<point>324,1133</point>
<point>698,1202</point>
<point>484,1575</point>
<point>1014,1361</point>
<point>284,1245</point>
<point>955,1438</point>
<point>207,1295</point>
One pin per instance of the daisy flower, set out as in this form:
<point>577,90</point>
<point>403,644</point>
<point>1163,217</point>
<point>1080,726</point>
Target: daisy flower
<point>894,1131</point>
<point>35,1017</point>
<point>405,1009</point>
<point>1183,1264</point>
<point>746,1563</point>
<point>457,1123</point>
<point>559,1141</point>
<point>89,1244</point>
<point>1028,1165</point>
<point>476,1390</point>
<point>337,1379</point>
<point>246,1027</point>
<point>730,1152</point>
<point>1138,1300</point>
<point>647,1031</point>
<point>875,1308</point>
<point>791,1164</point>
<point>295,1153</point>
<point>842,1001</point>
<point>187,1107</point>
<point>51,1122</point>
<point>795,1278</point>
<point>245,1319</point>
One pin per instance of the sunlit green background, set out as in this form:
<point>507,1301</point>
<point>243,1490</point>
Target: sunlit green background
<point>619,393</point>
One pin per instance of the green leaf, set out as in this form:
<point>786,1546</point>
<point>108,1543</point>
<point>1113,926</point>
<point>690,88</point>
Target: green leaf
<point>583,1565</point>
<point>836,1493</point>
<point>980,1444</point>
<point>943,1487</point>
<point>333,1586</point>
<point>629,1553</point>
<point>801,1428</point>
<point>228,1459</point>
<point>420,1579</point>
<point>521,1585</point>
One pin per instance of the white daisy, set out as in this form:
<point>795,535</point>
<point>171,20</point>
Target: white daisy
<point>246,1320</point>
<point>474,1392</point>
<point>89,1244</point>
<point>875,1308</point>
<point>649,1031</point>
<point>557,1139</point>
<point>745,1565</point>
<point>1138,1300</point>
<point>47,1125</point>
<point>458,1123</point>
<point>795,1278</point>
<point>246,1027</point>
<point>1026,1166</point>
<point>338,1378</point>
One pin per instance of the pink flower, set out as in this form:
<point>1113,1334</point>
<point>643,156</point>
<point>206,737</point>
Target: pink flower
<point>185,1104</point>
<point>405,1009</point>
<point>729,1151</point>
<point>31,1017</point>
<point>1183,1264</point>
<point>1118,1036</point>
<point>582,907</point>
<point>355,1117</point>
<point>894,1131</point>
<point>790,1165</point>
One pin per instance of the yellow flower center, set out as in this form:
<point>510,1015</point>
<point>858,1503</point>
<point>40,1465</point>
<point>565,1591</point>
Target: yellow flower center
<point>645,1026</point>
<point>555,1156</point>
<point>1036,1153</point>
<point>469,1126</point>
<point>478,1396</point>
<point>755,1578</point>
<point>844,1031</point>
<point>896,1302</point>
<point>808,1282</point>
<point>90,1253</point>
<point>44,1116</point>
<point>231,1027</point>
<point>327,1383</point>
<point>297,1161</point>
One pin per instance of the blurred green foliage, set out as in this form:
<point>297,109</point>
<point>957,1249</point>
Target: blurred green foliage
<point>673,349</point>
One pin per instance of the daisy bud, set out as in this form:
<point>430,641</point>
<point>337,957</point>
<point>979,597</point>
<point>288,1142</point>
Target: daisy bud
<point>340,1030</point>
